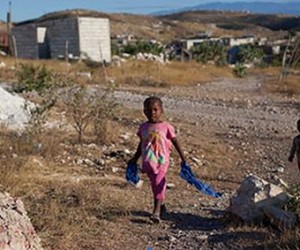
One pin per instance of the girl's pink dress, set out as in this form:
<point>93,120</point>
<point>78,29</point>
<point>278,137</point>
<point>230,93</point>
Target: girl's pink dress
<point>156,147</point>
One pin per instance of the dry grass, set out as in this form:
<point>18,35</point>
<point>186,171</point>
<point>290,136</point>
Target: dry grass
<point>75,214</point>
<point>288,240</point>
<point>67,210</point>
<point>132,72</point>
<point>289,86</point>
<point>153,73</point>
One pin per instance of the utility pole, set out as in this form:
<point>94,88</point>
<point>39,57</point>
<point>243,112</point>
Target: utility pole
<point>8,18</point>
<point>10,43</point>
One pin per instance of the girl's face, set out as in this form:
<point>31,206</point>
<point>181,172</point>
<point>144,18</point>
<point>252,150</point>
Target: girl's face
<point>153,112</point>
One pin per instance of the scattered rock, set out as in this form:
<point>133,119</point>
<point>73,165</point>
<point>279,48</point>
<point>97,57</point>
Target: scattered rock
<point>12,110</point>
<point>170,185</point>
<point>17,232</point>
<point>139,184</point>
<point>253,195</point>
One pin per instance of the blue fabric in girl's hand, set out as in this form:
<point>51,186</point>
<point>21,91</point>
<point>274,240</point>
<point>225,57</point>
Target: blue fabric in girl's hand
<point>132,174</point>
<point>187,174</point>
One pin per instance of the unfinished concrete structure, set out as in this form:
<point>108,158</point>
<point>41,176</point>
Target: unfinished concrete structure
<point>61,36</point>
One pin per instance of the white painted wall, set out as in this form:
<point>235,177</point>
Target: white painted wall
<point>94,38</point>
<point>240,41</point>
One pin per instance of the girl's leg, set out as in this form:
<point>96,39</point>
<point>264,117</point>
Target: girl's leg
<point>158,185</point>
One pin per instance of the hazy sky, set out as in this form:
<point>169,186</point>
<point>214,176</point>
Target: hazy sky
<point>28,9</point>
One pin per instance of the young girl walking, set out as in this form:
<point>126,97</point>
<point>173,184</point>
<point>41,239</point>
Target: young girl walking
<point>156,137</point>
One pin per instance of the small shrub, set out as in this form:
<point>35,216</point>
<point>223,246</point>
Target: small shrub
<point>250,54</point>
<point>33,78</point>
<point>240,70</point>
<point>207,51</point>
<point>142,47</point>
<point>35,128</point>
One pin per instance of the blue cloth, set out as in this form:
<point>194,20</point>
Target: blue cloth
<point>132,174</point>
<point>187,174</point>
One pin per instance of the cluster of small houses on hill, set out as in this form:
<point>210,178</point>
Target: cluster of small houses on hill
<point>87,37</point>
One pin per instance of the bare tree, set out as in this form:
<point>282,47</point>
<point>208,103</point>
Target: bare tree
<point>78,109</point>
<point>291,56</point>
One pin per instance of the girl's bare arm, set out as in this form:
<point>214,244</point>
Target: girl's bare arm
<point>137,154</point>
<point>178,149</point>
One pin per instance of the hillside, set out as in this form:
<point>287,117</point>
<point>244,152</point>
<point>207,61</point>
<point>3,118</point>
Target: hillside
<point>187,24</point>
<point>286,7</point>
<point>240,21</point>
<point>217,23</point>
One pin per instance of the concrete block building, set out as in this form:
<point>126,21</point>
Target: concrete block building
<point>58,36</point>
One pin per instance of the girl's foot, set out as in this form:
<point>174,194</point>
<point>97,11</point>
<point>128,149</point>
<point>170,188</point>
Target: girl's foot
<point>155,218</point>
<point>163,211</point>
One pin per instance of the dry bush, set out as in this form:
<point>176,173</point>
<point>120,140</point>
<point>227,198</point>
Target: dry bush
<point>107,131</point>
<point>78,109</point>
<point>90,110</point>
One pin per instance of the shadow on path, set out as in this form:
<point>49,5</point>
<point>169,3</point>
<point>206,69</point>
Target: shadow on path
<point>213,226</point>
<point>188,221</point>
<point>184,221</point>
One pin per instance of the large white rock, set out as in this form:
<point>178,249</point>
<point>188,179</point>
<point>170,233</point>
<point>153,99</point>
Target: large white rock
<point>253,195</point>
<point>12,110</point>
<point>16,230</point>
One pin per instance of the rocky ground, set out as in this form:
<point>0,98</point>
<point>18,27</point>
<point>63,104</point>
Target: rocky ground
<point>255,126</point>
<point>228,128</point>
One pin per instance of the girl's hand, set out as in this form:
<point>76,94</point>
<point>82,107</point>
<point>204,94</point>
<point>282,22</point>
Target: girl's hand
<point>132,161</point>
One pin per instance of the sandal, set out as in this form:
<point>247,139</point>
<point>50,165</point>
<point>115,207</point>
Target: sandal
<point>155,218</point>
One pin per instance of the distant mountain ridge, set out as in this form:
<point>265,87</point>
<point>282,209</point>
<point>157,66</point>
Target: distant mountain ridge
<point>289,7</point>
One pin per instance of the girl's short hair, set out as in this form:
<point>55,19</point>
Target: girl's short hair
<point>152,99</point>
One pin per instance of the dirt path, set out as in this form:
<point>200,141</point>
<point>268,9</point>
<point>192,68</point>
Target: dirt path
<point>239,129</point>
<point>229,102</point>
<point>237,111</point>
